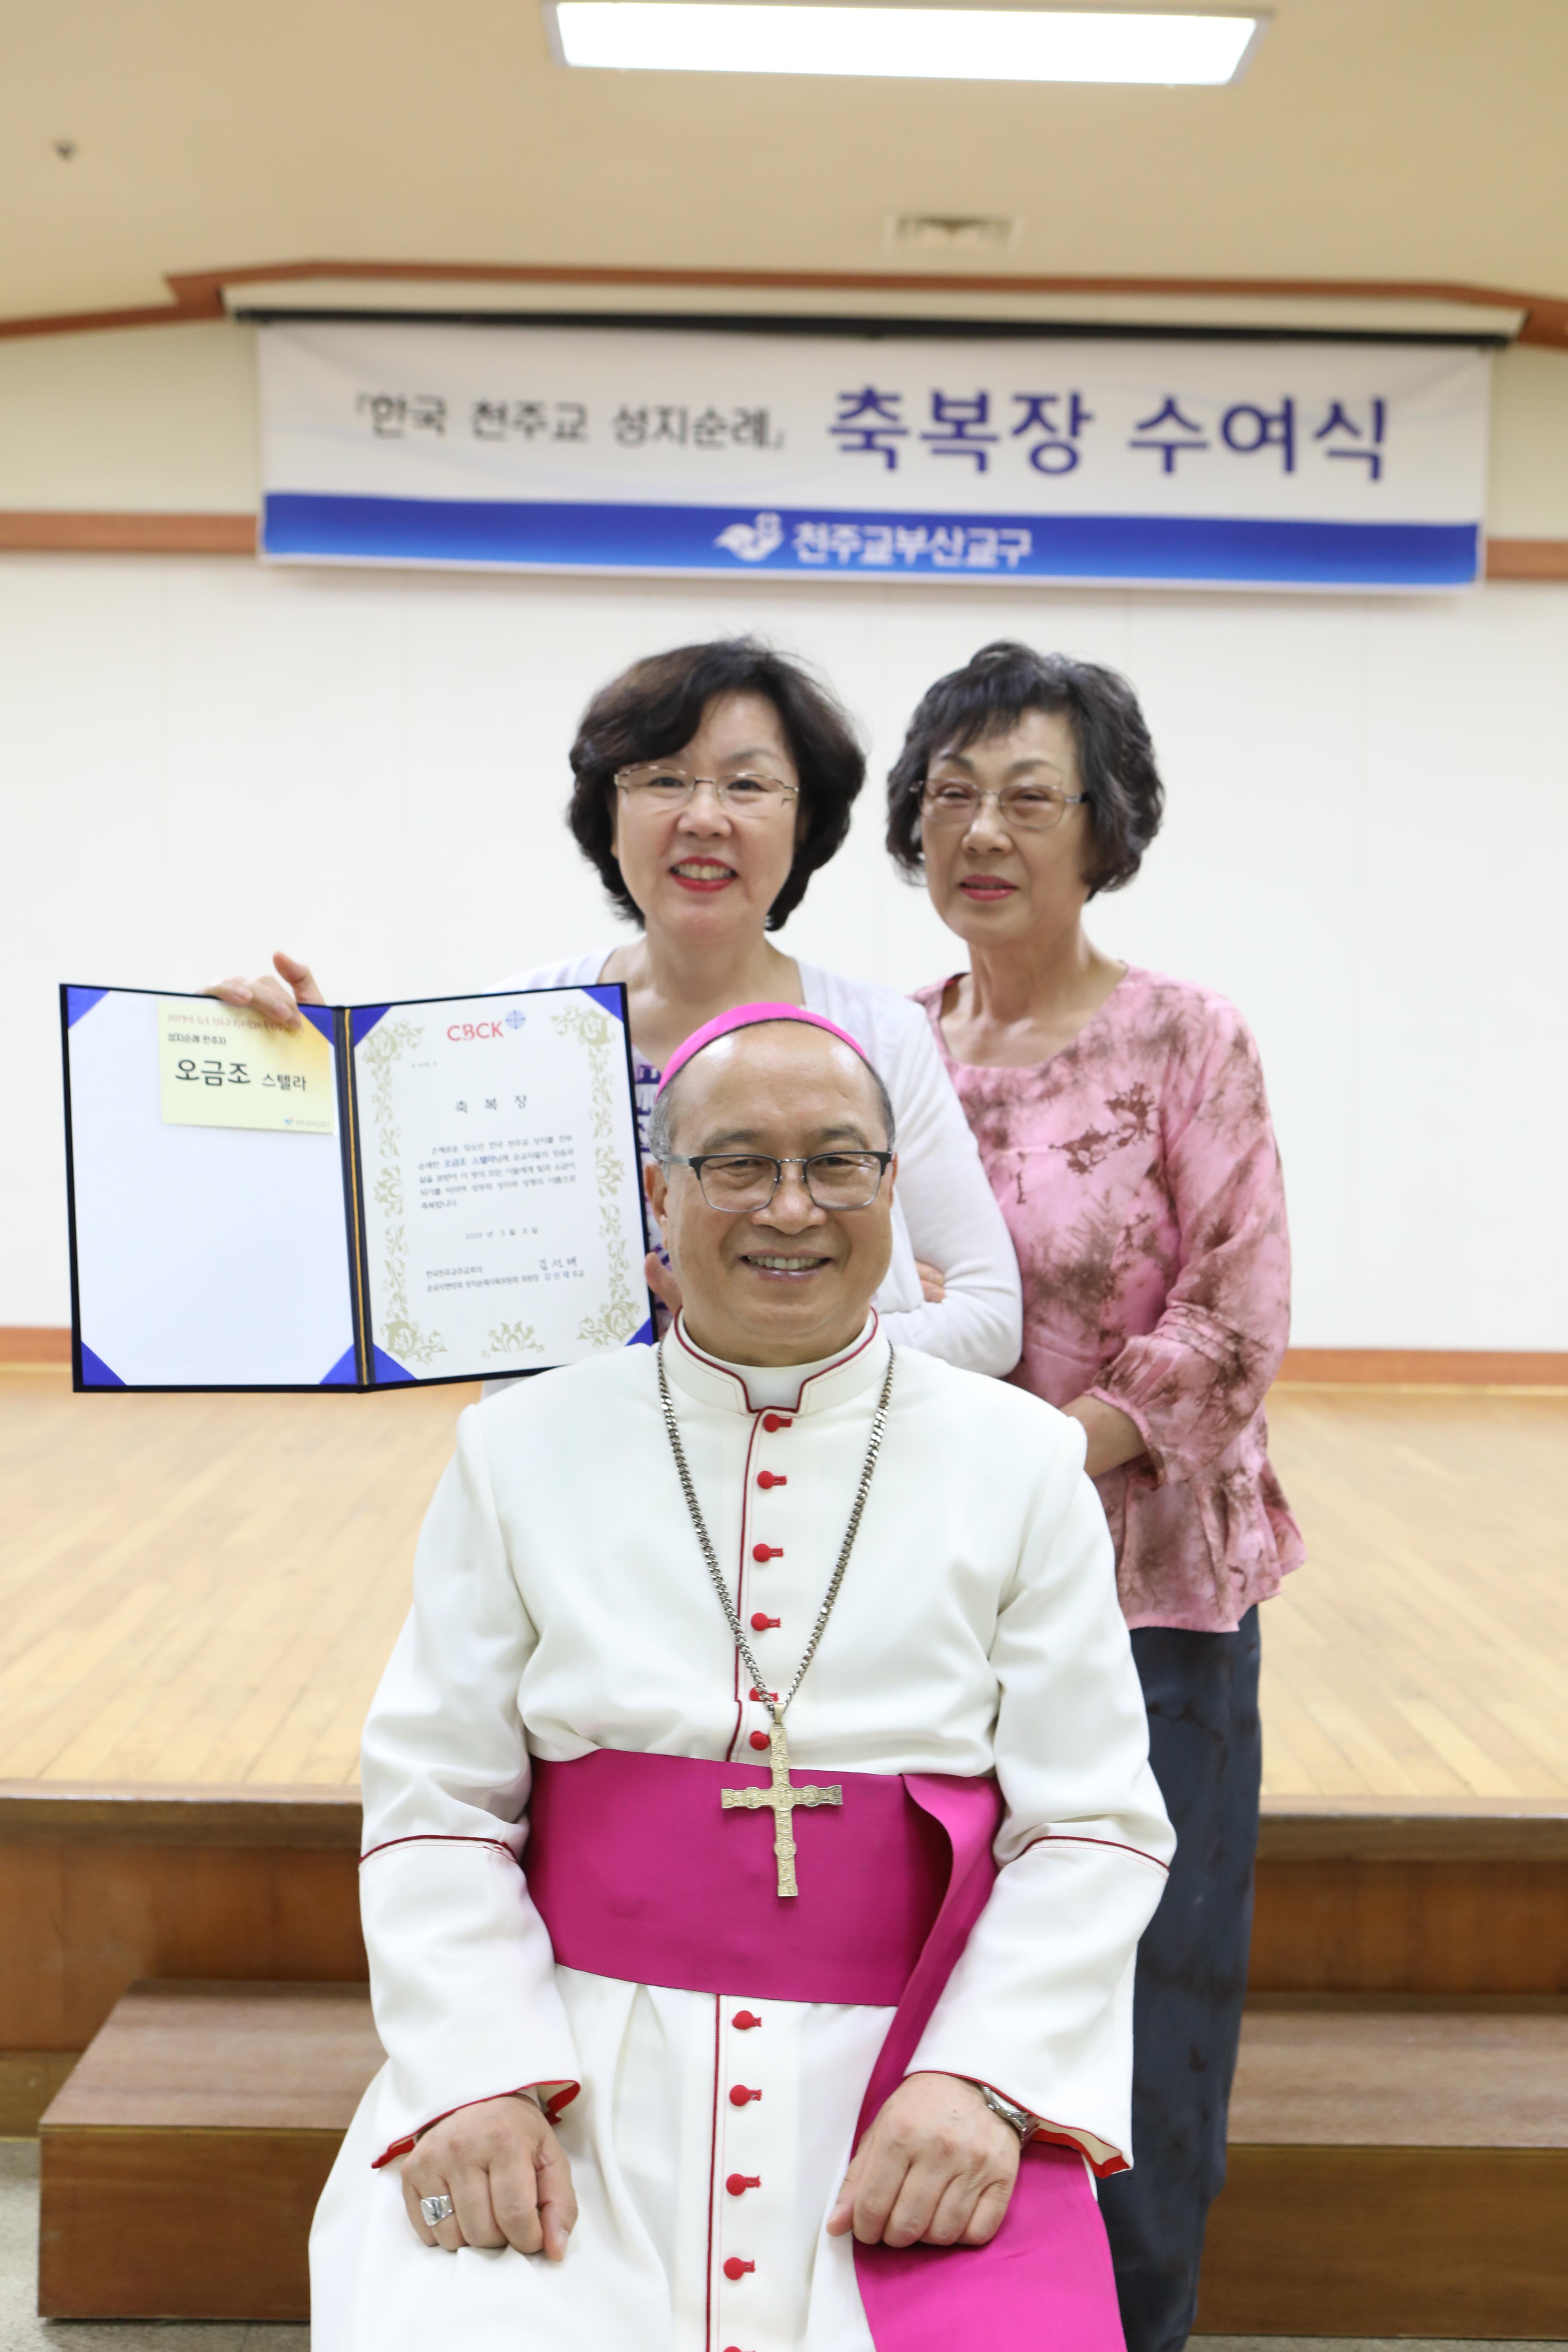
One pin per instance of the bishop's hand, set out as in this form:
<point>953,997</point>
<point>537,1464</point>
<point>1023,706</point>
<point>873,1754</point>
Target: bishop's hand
<point>936,2168</point>
<point>506,2174</point>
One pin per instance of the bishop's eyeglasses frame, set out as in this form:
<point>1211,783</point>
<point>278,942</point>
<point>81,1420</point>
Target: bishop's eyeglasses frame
<point>859,1168</point>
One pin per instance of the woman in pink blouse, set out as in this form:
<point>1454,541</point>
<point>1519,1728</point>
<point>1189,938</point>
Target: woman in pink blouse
<point>1122,1119</point>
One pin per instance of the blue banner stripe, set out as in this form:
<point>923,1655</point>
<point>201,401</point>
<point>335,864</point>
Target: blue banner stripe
<point>953,547</point>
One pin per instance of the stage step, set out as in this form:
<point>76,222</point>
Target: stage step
<point>1397,2166</point>
<point>100,1886</point>
<point>183,2158</point>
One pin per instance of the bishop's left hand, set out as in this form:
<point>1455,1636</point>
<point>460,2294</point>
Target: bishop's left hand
<point>936,2168</point>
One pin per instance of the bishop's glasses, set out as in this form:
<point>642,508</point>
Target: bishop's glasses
<point>735,1182</point>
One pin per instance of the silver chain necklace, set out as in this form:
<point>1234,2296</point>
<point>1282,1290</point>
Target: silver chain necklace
<point>759,1681</point>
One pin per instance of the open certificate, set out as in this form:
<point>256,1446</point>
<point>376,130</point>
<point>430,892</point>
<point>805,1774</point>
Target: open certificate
<point>445,1190</point>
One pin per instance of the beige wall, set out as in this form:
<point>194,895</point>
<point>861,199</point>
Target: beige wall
<point>164,420</point>
<point>1528,486</point>
<point>159,420</point>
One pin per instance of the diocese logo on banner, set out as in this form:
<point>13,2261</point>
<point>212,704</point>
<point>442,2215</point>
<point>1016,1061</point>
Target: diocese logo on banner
<point>894,456</point>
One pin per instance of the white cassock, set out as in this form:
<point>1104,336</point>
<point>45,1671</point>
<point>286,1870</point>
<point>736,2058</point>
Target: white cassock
<point>561,1605</point>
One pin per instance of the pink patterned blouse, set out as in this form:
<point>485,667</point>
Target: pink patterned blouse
<point>1139,1176</point>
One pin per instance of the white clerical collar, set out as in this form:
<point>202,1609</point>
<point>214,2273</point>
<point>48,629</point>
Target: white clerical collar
<point>776,1388</point>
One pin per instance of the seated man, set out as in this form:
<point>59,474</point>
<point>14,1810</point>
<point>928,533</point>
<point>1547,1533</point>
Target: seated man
<point>758,1820</point>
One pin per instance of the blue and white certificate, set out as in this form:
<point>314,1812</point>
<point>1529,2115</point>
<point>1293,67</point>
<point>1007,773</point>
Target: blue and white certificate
<point>499,1172</point>
<point>443,1189</point>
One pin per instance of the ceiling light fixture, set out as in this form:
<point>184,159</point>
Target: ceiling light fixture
<point>754,36</point>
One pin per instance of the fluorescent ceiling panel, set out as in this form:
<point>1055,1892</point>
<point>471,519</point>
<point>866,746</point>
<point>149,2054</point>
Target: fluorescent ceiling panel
<point>922,44</point>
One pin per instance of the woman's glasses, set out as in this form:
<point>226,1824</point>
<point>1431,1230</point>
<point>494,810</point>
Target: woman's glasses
<point>656,784</point>
<point>1023,808</point>
<point>735,1182</point>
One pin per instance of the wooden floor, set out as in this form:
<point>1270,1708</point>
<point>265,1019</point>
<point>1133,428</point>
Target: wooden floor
<point>204,1589</point>
<point>1423,1650</point>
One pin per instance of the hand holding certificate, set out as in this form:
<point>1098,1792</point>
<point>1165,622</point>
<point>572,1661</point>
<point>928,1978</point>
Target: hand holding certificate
<point>435,1191</point>
<point>217,1067</point>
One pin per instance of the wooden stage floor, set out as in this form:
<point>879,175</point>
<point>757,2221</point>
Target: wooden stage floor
<point>204,1589</point>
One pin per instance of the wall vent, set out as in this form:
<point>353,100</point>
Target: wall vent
<point>963,234</point>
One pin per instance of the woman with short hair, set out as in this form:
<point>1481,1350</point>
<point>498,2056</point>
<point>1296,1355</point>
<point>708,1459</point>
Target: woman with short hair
<point>1122,1119</point>
<point>711,782</point>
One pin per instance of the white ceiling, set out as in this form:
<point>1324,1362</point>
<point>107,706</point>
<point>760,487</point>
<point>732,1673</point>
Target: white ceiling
<point>1373,140</point>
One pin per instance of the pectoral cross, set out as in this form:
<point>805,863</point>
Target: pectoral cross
<point>781,1800</point>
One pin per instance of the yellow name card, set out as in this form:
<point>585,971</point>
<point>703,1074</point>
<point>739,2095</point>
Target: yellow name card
<point>220,1066</point>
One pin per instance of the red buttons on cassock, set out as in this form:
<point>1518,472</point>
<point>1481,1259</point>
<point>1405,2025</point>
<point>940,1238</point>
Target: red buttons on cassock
<point>739,2182</point>
<point>774,1421</point>
<point>740,2096</point>
<point>759,1739</point>
<point>767,1551</point>
<point>760,1625</point>
<point>735,2268</point>
<point>754,1693</point>
<point>743,2020</point>
<point>768,1478</point>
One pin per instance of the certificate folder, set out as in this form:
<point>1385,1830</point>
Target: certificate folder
<point>390,1195</point>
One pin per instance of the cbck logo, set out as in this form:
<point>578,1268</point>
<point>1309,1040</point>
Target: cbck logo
<point>466,1032</point>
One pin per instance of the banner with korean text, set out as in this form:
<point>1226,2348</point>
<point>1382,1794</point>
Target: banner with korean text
<point>844,456</point>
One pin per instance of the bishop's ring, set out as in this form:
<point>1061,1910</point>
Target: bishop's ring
<point>436,2209</point>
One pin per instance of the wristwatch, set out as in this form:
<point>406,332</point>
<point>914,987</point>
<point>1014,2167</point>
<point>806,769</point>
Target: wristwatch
<point>1023,2122</point>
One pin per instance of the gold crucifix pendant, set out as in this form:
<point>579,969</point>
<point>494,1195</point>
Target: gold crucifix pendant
<point>780,1801</point>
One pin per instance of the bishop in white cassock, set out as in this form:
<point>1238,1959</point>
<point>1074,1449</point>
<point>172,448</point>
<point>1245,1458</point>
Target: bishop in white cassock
<point>637,2093</point>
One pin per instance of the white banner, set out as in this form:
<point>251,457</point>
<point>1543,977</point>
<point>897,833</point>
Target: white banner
<point>1031,458</point>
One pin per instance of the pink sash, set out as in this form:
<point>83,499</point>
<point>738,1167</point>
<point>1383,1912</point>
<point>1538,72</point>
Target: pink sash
<point>638,1872</point>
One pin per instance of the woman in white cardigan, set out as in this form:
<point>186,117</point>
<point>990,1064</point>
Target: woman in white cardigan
<point>711,783</point>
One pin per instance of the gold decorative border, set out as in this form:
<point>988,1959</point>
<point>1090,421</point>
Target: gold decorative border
<point>513,1340</point>
<point>402,1337</point>
<point>623,1314</point>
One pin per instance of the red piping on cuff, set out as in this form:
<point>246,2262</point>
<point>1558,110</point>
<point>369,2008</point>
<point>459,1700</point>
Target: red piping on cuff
<point>1106,2171</point>
<point>1061,2135</point>
<point>1058,2135</point>
<point>555,2106</point>
<point>435,1837</point>
<point>1115,1845</point>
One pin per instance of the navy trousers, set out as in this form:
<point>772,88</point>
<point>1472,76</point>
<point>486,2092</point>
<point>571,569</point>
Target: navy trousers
<point>1206,1747</point>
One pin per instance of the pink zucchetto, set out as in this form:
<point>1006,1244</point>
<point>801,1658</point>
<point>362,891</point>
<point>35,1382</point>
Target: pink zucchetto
<point>749,1017</point>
